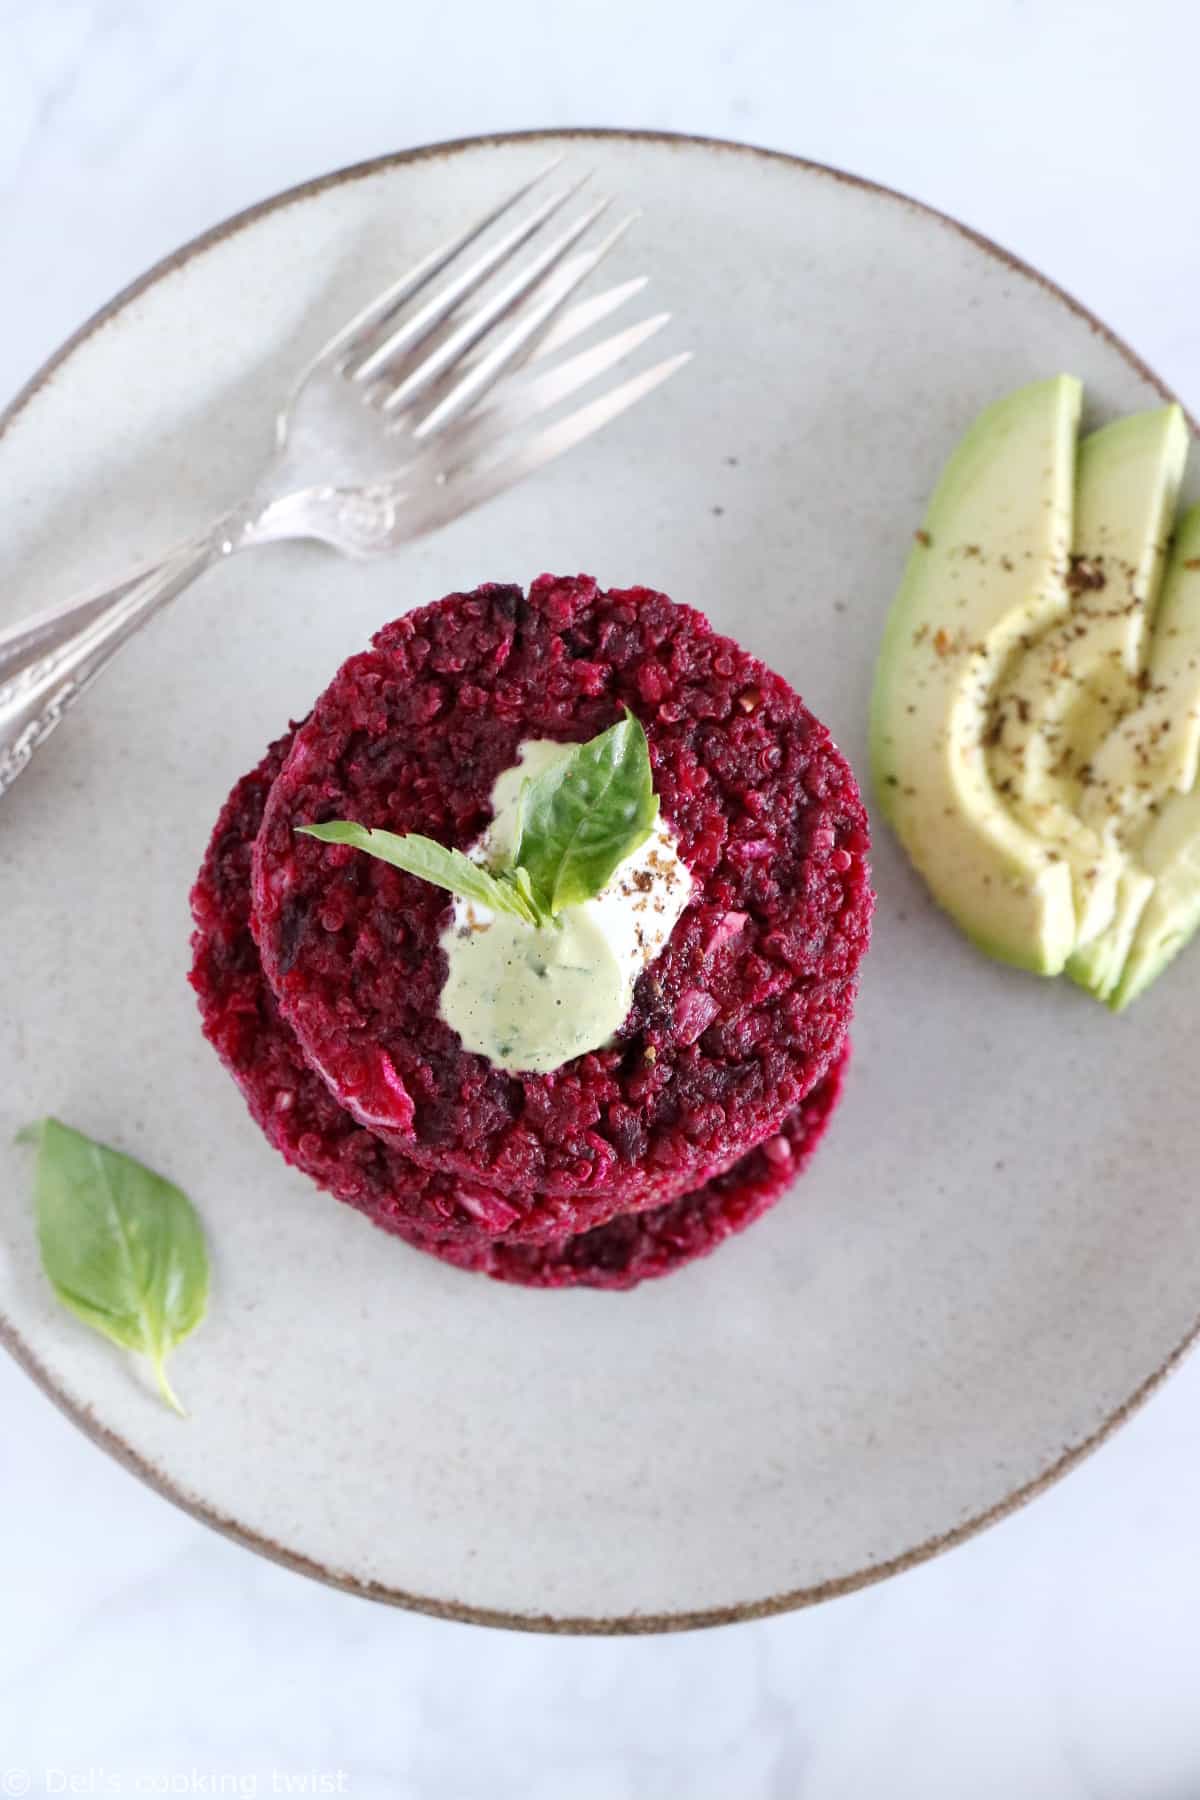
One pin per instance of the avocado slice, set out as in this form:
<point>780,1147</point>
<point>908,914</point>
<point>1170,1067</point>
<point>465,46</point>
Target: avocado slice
<point>1142,790</point>
<point>1097,965</point>
<point>1155,749</point>
<point>1170,855</point>
<point>1060,700</point>
<point>987,572</point>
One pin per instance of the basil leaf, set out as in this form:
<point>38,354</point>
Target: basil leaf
<point>121,1246</point>
<point>524,887</point>
<point>575,825</point>
<point>431,861</point>
<point>582,818</point>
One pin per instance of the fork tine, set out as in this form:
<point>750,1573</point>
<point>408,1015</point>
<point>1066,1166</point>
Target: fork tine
<point>478,380</point>
<point>414,331</point>
<point>358,332</point>
<point>559,383</point>
<point>472,437</point>
<point>460,493</point>
<point>561,331</point>
<point>583,315</point>
<point>472,330</point>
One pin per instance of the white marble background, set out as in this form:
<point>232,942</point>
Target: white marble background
<point>1058,1655</point>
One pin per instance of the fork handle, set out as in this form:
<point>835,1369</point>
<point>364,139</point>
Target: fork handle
<point>48,661</point>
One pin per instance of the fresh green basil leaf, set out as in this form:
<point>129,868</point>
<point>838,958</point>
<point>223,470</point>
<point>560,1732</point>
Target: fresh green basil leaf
<point>583,817</point>
<point>575,825</point>
<point>431,861</point>
<point>121,1246</point>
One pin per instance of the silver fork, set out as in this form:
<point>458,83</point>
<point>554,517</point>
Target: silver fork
<point>418,410</point>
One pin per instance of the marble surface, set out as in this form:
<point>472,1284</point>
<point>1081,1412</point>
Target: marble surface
<point>1057,1654</point>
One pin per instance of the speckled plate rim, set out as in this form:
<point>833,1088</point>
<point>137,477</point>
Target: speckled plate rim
<point>631,1623</point>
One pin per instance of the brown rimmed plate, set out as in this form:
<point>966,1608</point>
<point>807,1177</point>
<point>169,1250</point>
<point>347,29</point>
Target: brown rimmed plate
<point>994,1256</point>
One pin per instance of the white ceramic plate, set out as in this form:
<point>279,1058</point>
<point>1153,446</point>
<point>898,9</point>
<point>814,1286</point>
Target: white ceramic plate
<point>997,1250</point>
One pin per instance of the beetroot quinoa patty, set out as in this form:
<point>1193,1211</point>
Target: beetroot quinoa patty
<point>301,1119</point>
<point>731,1027</point>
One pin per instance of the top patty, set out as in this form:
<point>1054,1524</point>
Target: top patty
<point>733,1024</point>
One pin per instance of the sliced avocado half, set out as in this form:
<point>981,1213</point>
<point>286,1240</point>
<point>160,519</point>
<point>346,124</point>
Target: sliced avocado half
<point>987,571</point>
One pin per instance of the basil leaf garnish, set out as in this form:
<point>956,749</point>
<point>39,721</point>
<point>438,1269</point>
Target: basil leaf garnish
<point>422,856</point>
<point>576,824</point>
<point>582,818</point>
<point>121,1246</point>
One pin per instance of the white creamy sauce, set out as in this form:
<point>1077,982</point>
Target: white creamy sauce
<point>531,999</point>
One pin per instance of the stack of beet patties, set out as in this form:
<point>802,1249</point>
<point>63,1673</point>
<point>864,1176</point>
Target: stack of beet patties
<point>319,969</point>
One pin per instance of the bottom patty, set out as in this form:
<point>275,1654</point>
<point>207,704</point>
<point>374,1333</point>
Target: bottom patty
<point>638,1246</point>
<point>436,1212</point>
